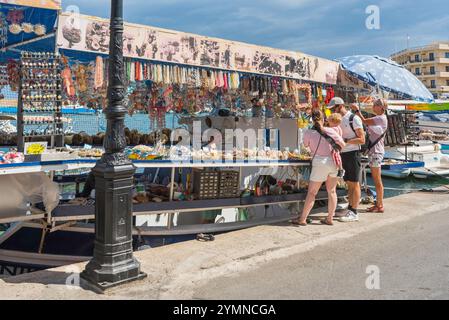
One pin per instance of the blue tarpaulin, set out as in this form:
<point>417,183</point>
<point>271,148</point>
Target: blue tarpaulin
<point>33,16</point>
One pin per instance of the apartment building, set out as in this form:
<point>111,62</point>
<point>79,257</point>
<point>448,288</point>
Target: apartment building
<point>430,64</point>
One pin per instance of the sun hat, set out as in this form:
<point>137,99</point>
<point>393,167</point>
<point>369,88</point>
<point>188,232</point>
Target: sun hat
<point>336,102</point>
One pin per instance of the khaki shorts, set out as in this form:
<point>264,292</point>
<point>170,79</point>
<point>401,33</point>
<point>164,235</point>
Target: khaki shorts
<point>323,168</point>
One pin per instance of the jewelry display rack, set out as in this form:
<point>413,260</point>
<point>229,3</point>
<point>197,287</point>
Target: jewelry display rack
<point>39,112</point>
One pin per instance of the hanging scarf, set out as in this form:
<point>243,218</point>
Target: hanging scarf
<point>133,71</point>
<point>197,78</point>
<point>159,73</point>
<point>136,72</point>
<point>99,75</point>
<point>320,95</point>
<point>225,81</point>
<point>330,95</point>
<point>68,82</point>
<point>236,81</point>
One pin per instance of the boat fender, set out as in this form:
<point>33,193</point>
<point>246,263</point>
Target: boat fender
<point>445,159</point>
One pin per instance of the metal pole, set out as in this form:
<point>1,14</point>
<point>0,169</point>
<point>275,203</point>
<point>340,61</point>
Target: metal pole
<point>113,263</point>
<point>171,216</point>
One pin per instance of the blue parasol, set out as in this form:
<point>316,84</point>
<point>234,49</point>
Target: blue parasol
<point>387,75</point>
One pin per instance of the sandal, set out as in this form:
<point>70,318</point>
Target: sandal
<point>376,209</point>
<point>205,237</point>
<point>326,222</point>
<point>296,223</point>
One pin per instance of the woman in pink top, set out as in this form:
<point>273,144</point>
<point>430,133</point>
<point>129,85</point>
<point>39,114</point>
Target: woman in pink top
<point>324,168</point>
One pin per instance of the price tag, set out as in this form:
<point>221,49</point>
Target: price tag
<point>87,147</point>
<point>35,148</point>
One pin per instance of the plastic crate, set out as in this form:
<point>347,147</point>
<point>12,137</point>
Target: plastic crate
<point>229,186</point>
<point>214,184</point>
<point>206,184</point>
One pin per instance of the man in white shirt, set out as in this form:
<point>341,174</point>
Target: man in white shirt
<point>354,136</point>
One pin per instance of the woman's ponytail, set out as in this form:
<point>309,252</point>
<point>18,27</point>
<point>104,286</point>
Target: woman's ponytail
<point>317,118</point>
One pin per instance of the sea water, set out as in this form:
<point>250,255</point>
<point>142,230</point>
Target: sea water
<point>396,187</point>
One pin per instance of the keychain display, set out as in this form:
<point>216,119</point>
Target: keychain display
<point>13,70</point>
<point>4,79</point>
<point>3,30</point>
<point>40,97</point>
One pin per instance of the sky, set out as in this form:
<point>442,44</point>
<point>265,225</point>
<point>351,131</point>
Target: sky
<point>325,28</point>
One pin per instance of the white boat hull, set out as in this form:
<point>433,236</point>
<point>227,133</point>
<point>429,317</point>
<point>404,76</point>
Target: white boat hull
<point>425,173</point>
<point>395,174</point>
<point>436,163</point>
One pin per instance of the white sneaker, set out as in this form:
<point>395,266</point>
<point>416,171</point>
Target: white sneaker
<point>342,207</point>
<point>350,217</point>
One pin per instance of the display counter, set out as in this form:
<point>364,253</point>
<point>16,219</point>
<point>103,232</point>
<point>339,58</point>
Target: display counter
<point>63,165</point>
<point>66,213</point>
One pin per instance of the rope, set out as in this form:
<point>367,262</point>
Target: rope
<point>413,190</point>
<point>439,176</point>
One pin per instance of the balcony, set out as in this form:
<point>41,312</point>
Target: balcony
<point>438,74</point>
<point>442,60</point>
<point>439,89</point>
<point>413,62</point>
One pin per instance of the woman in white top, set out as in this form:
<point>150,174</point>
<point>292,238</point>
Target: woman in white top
<point>377,128</point>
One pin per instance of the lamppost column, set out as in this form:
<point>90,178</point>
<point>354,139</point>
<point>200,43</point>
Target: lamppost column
<point>113,262</point>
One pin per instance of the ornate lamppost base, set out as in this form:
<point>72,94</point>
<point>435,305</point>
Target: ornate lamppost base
<point>94,280</point>
<point>113,263</point>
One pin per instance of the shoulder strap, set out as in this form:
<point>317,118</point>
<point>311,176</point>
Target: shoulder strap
<point>316,151</point>
<point>351,122</point>
<point>331,141</point>
<point>375,143</point>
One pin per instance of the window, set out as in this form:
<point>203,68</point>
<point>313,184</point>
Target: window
<point>447,55</point>
<point>432,70</point>
<point>417,58</point>
<point>432,56</point>
<point>447,82</point>
<point>447,68</point>
<point>433,84</point>
<point>417,72</point>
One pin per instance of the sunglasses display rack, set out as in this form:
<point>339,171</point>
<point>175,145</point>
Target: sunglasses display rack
<point>40,99</point>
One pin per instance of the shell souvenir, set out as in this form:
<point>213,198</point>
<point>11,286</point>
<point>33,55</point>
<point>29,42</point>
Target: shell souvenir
<point>15,29</point>
<point>27,27</point>
<point>40,29</point>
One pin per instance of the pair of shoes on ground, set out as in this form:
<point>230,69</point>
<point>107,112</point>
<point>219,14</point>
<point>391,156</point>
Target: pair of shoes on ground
<point>351,216</point>
<point>296,223</point>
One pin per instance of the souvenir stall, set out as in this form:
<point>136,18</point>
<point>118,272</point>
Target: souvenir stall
<point>210,184</point>
<point>177,79</point>
<point>173,80</point>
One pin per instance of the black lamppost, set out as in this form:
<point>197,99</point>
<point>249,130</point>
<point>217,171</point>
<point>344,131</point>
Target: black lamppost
<point>113,262</point>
